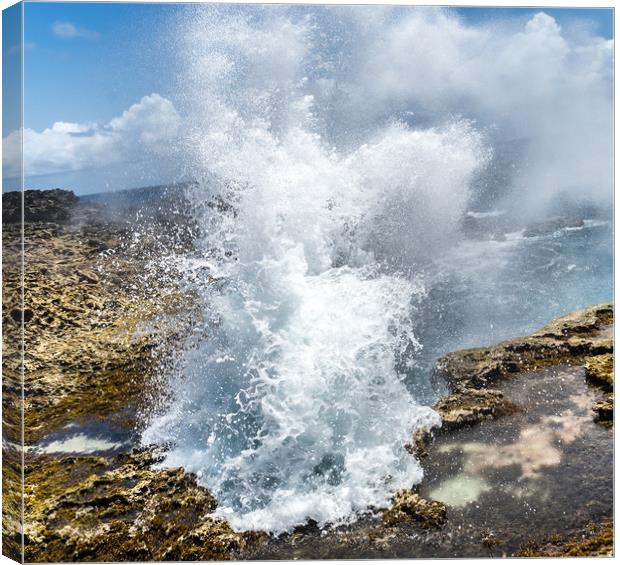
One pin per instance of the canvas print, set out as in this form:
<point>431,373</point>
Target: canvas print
<point>306,282</point>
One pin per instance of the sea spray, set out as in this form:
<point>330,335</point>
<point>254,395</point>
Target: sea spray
<point>295,405</point>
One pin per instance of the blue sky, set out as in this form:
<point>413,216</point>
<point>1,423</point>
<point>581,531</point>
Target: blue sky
<point>599,20</point>
<point>11,68</point>
<point>114,58</point>
<point>88,63</point>
<point>111,60</point>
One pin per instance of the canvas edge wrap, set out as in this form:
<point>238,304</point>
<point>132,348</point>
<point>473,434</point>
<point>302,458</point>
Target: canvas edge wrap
<point>13,294</point>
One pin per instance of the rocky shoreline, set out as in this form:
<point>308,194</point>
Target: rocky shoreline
<point>100,320</point>
<point>583,338</point>
<point>94,353</point>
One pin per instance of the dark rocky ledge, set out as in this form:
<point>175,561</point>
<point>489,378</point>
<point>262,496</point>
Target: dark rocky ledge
<point>583,338</point>
<point>51,206</point>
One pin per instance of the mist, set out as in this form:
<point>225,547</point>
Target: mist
<point>541,94</point>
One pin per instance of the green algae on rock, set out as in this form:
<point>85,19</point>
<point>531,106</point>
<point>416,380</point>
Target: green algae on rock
<point>591,541</point>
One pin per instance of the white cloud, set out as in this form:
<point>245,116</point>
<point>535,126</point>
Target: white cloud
<point>68,30</point>
<point>151,121</point>
<point>146,131</point>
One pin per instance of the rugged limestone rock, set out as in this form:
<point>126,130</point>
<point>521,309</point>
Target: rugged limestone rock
<point>583,338</point>
<point>98,321</point>
<point>11,502</point>
<point>419,443</point>
<point>52,206</point>
<point>11,397</point>
<point>604,410</point>
<point>473,405</point>
<point>408,505</point>
<point>88,347</point>
<point>600,370</point>
<point>119,510</point>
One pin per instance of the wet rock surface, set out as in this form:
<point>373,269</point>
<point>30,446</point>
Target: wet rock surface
<point>472,405</point>
<point>408,505</point>
<point>593,540</point>
<point>121,509</point>
<point>583,338</point>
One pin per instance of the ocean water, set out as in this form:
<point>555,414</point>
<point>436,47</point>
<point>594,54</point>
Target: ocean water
<point>332,272</point>
<point>482,292</point>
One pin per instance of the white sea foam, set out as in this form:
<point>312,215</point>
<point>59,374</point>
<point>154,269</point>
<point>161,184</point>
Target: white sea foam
<point>490,214</point>
<point>295,407</point>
